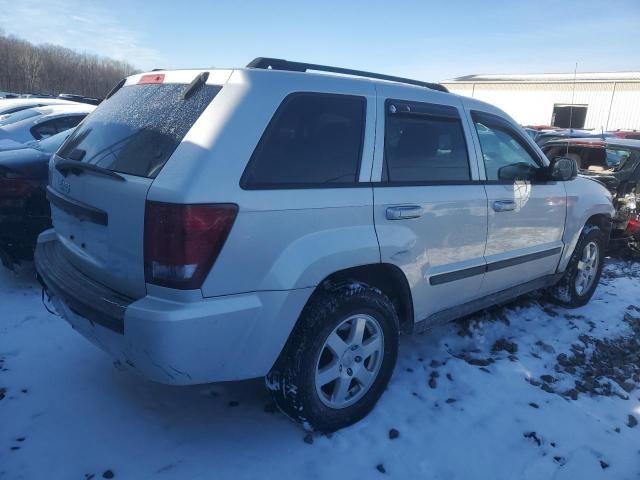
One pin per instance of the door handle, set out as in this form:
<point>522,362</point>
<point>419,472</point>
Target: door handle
<point>403,212</point>
<point>504,205</point>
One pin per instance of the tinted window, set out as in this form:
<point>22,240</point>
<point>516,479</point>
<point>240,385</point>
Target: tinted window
<point>54,126</point>
<point>424,146</point>
<point>506,155</point>
<point>65,123</point>
<point>313,140</point>
<point>138,128</point>
<point>44,130</point>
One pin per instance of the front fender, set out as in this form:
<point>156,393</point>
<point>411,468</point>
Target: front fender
<point>585,198</point>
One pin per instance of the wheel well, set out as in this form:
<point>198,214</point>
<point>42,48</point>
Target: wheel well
<point>602,221</point>
<point>387,278</point>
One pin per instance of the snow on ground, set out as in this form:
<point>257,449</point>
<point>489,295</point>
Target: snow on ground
<point>462,405</point>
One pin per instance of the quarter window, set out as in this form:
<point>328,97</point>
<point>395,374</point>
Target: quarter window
<point>51,127</point>
<point>424,143</point>
<point>313,140</point>
<point>505,154</point>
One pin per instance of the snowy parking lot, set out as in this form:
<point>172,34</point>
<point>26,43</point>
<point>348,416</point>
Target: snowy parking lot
<point>530,391</point>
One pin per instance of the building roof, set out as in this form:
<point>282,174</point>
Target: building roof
<point>548,77</point>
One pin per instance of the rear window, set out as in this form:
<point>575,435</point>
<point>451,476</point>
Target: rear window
<point>17,109</point>
<point>610,158</point>
<point>313,141</point>
<point>137,130</point>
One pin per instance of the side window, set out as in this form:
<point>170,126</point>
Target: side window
<point>424,143</point>
<point>314,140</point>
<point>506,155</point>
<point>65,123</point>
<point>44,130</point>
<point>56,125</point>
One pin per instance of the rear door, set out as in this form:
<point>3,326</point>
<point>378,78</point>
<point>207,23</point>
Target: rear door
<point>526,211</point>
<point>100,177</point>
<point>430,209</point>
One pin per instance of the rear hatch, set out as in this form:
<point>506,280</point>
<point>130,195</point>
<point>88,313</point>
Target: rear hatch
<point>100,177</point>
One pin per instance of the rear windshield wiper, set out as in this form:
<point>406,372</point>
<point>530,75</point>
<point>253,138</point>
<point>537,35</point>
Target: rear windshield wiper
<point>78,168</point>
<point>118,86</point>
<point>195,84</point>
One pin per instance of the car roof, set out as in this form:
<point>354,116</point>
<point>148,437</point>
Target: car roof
<point>597,142</point>
<point>336,81</point>
<point>18,102</point>
<point>49,113</point>
<point>64,108</point>
<point>220,76</point>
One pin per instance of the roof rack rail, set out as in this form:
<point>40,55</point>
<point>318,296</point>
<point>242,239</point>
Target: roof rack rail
<point>280,64</point>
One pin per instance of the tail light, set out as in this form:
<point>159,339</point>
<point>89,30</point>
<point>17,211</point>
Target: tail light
<point>182,242</point>
<point>633,228</point>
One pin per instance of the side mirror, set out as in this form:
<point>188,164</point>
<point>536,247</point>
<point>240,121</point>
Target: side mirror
<point>563,169</point>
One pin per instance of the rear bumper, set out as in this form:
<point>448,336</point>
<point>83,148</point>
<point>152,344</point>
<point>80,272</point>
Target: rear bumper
<point>173,341</point>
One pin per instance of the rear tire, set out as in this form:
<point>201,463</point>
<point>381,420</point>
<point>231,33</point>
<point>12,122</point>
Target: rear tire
<point>338,360</point>
<point>582,275</point>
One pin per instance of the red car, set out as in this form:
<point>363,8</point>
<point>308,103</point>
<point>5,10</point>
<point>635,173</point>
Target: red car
<point>630,134</point>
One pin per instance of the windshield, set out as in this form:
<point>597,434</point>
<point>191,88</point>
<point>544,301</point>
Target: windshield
<point>19,116</point>
<point>137,130</point>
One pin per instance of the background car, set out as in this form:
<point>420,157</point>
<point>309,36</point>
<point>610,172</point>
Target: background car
<point>24,210</point>
<point>80,98</point>
<point>630,134</point>
<point>547,136</point>
<point>13,105</point>
<point>614,162</point>
<point>42,122</point>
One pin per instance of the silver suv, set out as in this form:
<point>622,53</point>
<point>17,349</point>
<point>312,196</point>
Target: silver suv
<point>265,221</point>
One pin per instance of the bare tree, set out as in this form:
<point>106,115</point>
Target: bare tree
<point>51,69</point>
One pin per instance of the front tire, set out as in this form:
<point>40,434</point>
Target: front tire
<point>339,359</point>
<point>582,275</point>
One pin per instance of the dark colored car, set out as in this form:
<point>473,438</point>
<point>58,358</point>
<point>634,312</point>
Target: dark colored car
<point>24,210</point>
<point>614,162</point>
<point>545,137</point>
<point>80,98</point>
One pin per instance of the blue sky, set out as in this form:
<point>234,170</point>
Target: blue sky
<point>423,39</point>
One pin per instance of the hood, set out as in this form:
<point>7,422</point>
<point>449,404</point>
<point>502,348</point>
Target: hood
<point>611,182</point>
<point>29,162</point>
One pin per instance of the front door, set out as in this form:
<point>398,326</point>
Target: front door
<point>430,209</point>
<point>526,211</point>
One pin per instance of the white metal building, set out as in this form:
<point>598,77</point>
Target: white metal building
<point>606,101</point>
